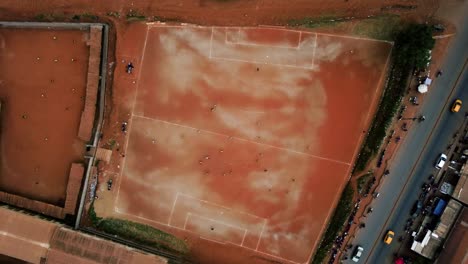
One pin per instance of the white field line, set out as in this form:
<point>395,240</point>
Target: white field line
<point>374,103</point>
<point>211,42</point>
<point>172,210</point>
<point>290,30</point>
<point>218,222</point>
<point>261,45</point>
<point>443,36</point>
<point>260,62</point>
<point>215,241</point>
<point>243,238</point>
<point>175,227</point>
<point>241,43</point>
<point>260,236</point>
<point>130,122</point>
<point>246,140</point>
<point>186,220</point>
<point>220,206</point>
<point>313,52</point>
<point>353,37</point>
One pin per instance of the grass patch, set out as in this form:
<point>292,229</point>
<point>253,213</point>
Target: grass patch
<point>341,214</point>
<point>323,21</point>
<point>93,216</point>
<point>135,16</point>
<point>111,143</point>
<point>88,16</point>
<point>139,233</point>
<point>114,14</point>
<point>410,52</point>
<point>362,181</point>
<point>49,17</point>
<point>143,234</point>
<point>382,27</point>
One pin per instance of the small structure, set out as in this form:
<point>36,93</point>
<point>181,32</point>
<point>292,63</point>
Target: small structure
<point>423,88</point>
<point>428,246</point>
<point>103,154</point>
<point>439,207</point>
<point>461,189</point>
<point>446,188</point>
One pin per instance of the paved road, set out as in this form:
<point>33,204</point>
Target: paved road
<point>414,161</point>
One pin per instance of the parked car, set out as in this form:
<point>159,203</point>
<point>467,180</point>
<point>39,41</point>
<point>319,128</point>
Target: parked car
<point>389,237</point>
<point>357,253</point>
<point>441,161</point>
<point>456,106</point>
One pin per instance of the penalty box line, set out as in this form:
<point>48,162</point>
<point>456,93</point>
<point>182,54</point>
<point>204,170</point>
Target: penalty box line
<point>245,140</point>
<point>191,232</point>
<point>244,230</point>
<point>217,221</point>
<point>228,42</point>
<point>210,203</point>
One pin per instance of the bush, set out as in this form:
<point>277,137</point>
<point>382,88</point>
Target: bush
<point>93,216</point>
<point>143,234</point>
<point>410,51</point>
<point>341,214</point>
<point>361,182</point>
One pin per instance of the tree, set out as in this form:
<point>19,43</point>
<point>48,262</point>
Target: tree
<point>414,44</point>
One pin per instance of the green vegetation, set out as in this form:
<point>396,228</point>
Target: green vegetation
<point>410,52</point>
<point>113,14</point>
<point>93,217</point>
<point>383,27</point>
<point>341,214</point>
<point>323,21</point>
<point>143,234</point>
<point>49,17</point>
<point>139,233</point>
<point>362,181</point>
<point>88,16</point>
<point>135,16</point>
<point>111,142</point>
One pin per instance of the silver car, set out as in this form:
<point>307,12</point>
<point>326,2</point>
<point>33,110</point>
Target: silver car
<point>357,253</point>
<point>441,161</point>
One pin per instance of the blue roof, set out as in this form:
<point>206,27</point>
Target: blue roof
<point>439,207</point>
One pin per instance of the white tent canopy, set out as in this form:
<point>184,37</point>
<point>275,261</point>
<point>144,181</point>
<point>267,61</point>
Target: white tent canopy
<point>423,88</point>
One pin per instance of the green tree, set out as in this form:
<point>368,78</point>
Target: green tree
<point>414,44</point>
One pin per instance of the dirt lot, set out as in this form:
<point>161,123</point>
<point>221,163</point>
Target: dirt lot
<point>233,132</point>
<point>220,12</point>
<point>41,113</point>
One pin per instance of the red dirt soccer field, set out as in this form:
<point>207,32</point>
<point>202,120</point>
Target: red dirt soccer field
<point>244,137</point>
<point>42,92</point>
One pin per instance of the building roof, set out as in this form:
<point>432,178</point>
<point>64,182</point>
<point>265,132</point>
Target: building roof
<point>461,190</point>
<point>455,249</point>
<point>73,187</point>
<point>448,218</point>
<point>20,233</point>
<point>48,242</point>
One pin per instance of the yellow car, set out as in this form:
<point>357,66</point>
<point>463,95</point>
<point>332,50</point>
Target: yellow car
<point>389,237</point>
<point>456,106</point>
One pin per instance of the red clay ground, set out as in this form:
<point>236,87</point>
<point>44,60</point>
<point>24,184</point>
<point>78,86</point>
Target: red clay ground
<point>42,103</point>
<point>242,138</point>
<point>217,12</point>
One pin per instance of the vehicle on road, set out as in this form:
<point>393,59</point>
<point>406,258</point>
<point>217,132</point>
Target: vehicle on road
<point>357,253</point>
<point>389,237</point>
<point>456,106</point>
<point>441,161</point>
<point>415,210</point>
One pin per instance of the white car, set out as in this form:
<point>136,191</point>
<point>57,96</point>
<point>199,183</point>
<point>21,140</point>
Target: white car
<point>357,253</point>
<point>441,161</point>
